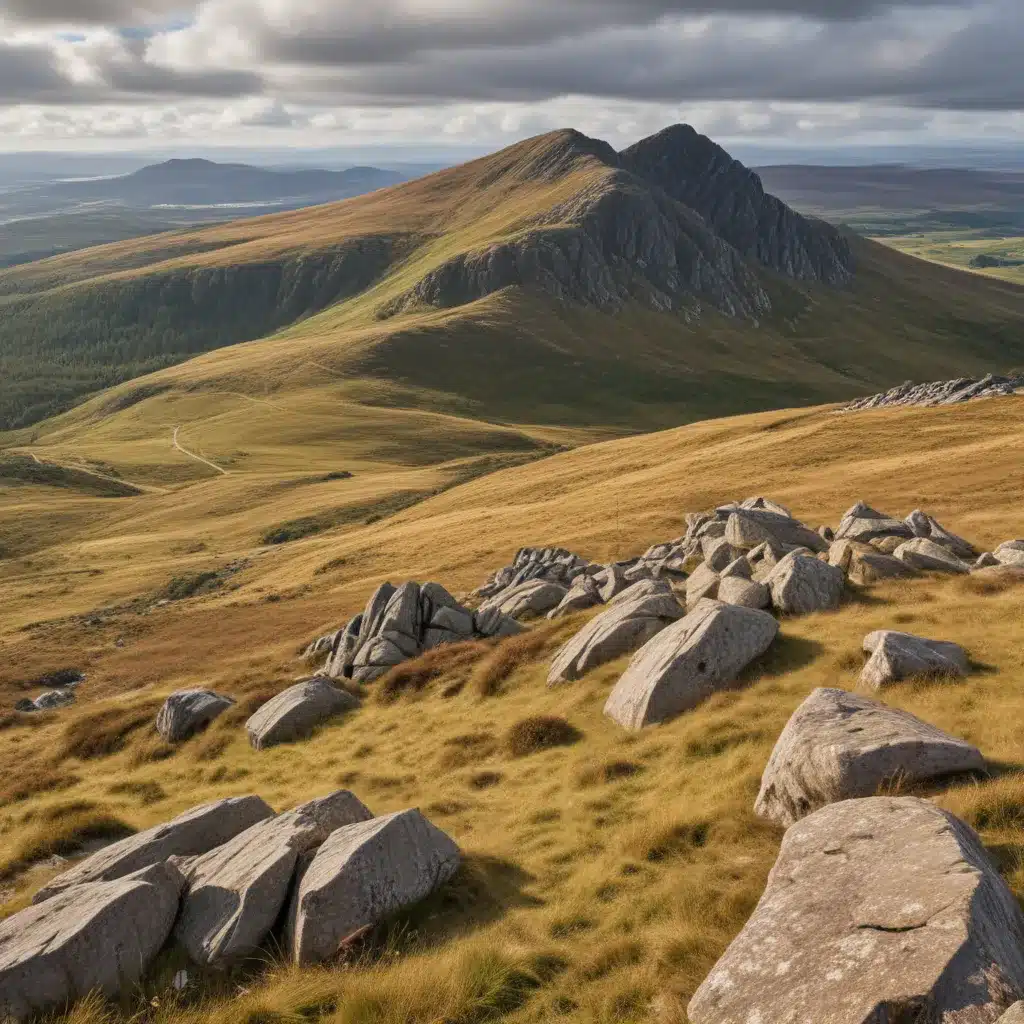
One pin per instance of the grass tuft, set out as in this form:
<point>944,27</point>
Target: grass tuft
<point>415,675</point>
<point>105,732</point>
<point>494,670</point>
<point>532,735</point>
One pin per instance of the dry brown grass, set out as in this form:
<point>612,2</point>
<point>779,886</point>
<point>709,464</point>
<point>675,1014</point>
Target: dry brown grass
<point>452,661</point>
<point>495,669</point>
<point>105,731</point>
<point>543,732</point>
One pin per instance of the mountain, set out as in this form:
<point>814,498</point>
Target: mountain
<point>555,282</point>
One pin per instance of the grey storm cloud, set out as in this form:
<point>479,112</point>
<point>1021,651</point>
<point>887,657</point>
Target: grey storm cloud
<point>28,73</point>
<point>94,12</point>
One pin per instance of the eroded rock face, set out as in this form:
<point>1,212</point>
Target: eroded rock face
<point>100,936</point>
<point>877,910</point>
<point>927,556</point>
<point>896,656</point>
<point>801,585</point>
<point>535,597</point>
<point>235,892</point>
<point>687,662</point>
<point>295,713</point>
<point>838,746</point>
<point>187,712</point>
<point>363,873</point>
<point>192,833</point>
<point>622,629</point>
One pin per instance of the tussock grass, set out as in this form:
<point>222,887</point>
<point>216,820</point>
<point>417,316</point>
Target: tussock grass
<point>543,732</point>
<point>451,661</point>
<point>104,732</point>
<point>510,654</point>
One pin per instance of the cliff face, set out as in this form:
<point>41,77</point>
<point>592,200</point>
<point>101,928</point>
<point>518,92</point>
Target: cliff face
<point>730,197</point>
<point>673,223</point>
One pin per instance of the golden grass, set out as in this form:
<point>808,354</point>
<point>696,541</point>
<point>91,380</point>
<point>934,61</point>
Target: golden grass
<point>603,878</point>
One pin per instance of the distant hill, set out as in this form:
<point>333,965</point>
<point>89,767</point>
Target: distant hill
<point>555,282</point>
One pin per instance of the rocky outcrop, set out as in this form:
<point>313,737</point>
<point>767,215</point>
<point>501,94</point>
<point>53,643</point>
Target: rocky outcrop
<point>865,564</point>
<point>942,392</point>
<point>362,874</point>
<point>188,711</point>
<point>195,832</point>
<point>295,713</point>
<point>687,662</point>
<point>896,656</point>
<point>927,556</point>
<point>626,626</point>
<point>801,585</point>
<point>877,910</point>
<point>96,937</point>
<point>552,565</point>
<point>534,597</point>
<point>928,528</point>
<point>731,199</point>
<point>744,592</point>
<point>838,746</point>
<point>235,893</point>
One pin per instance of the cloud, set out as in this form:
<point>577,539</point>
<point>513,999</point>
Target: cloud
<point>95,12</point>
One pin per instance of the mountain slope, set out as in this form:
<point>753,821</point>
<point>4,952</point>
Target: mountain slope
<point>554,282</point>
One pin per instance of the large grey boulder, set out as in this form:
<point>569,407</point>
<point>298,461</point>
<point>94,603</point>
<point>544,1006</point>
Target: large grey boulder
<point>927,556</point>
<point>622,629</point>
<point>194,832</point>
<point>703,583</point>
<point>495,624</point>
<point>925,526</point>
<point>296,712</point>
<point>687,662</point>
<point>839,745</point>
<point>1010,553</point>
<point>744,593</point>
<point>343,650</point>
<point>877,910</point>
<point>865,564</point>
<point>718,553</point>
<point>98,937</point>
<point>645,588</point>
<point>402,621</point>
<point>896,656</point>
<point>534,597</point>
<point>863,523</point>
<point>235,892</point>
<point>749,528</point>
<point>801,585</point>
<point>362,874</point>
<point>186,712</point>
<point>583,594</point>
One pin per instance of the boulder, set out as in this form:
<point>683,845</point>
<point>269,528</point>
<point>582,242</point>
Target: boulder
<point>295,713</point>
<point>687,662</point>
<point>343,650</point>
<point>864,564</point>
<point>744,593</point>
<point>887,545</point>
<point>194,832</point>
<point>877,910</point>
<point>1010,553</point>
<point>702,584</point>
<point>362,874</point>
<point>838,746</point>
<point>896,656</point>
<point>376,658</point>
<point>1014,1015</point>
<point>97,937</point>
<point>583,594</point>
<point>535,597</point>
<point>748,529</point>
<point>927,556</point>
<point>611,582</point>
<point>236,892</point>
<point>864,523</point>
<point>986,561</point>
<point>448,625</point>
<point>188,711</point>
<point>718,553</point>
<point>402,621</point>
<point>645,588</point>
<point>494,624</point>
<point>925,526</point>
<point>741,568</point>
<point>625,627</point>
<point>801,584</point>
<point>321,647</point>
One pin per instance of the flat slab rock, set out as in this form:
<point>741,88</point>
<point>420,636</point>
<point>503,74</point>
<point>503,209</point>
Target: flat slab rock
<point>896,656</point>
<point>877,910</point>
<point>295,713</point>
<point>362,874</point>
<point>95,937</point>
<point>190,834</point>
<point>839,745</point>
<point>623,628</point>
<point>186,712</point>
<point>687,662</point>
<point>927,556</point>
<point>235,892</point>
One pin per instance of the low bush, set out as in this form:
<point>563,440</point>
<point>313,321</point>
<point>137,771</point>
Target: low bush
<point>533,735</point>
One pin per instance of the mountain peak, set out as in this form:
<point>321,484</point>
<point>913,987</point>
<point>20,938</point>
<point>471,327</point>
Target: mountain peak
<point>696,171</point>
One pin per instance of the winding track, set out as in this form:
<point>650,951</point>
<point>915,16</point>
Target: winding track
<point>198,458</point>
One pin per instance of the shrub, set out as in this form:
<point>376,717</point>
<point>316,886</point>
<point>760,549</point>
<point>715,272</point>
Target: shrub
<point>182,587</point>
<point>533,735</point>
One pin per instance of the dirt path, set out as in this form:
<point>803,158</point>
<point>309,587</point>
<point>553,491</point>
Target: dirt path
<point>198,458</point>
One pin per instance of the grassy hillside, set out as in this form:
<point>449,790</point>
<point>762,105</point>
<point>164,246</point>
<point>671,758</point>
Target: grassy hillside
<point>338,285</point>
<point>992,254</point>
<point>603,878</point>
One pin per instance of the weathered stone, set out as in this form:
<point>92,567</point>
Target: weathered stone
<point>448,626</point>
<point>98,937</point>
<point>887,545</point>
<point>877,910</point>
<point>1011,553</point>
<point>186,712</point>
<point>865,528</point>
<point>235,892</point>
<point>611,582</point>
<point>320,648</point>
<point>801,585</point>
<point>346,644</point>
<point>741,568</point>
<point>1014,1015</point>
<point>718,553</point>
<point>53,699</point>
<point>402,621</point>
<point>535,597</point>
<point>827,534</point>
<point>925,526</point>
<point>625,627</point>
<point>362,874</point>
<point>713,528</point>
<point>687,662</point>
<point>864,564</point>
<point>986,561</point>
<point>702,584</point>
<point>927,556</point>
<point>750,528</point>
<point>295,713</point>
<point>192,833</point>
<point>645,588</point>
<point>583,594</point>
<point>896,656</point>
<point>744,593</point>
<point>376,658</point>
<point>494,623</point>
<point>838,746</point>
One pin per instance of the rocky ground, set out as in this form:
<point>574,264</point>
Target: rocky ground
<point>942,392</point>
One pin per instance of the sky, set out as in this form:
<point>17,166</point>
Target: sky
<point>135,74</point>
